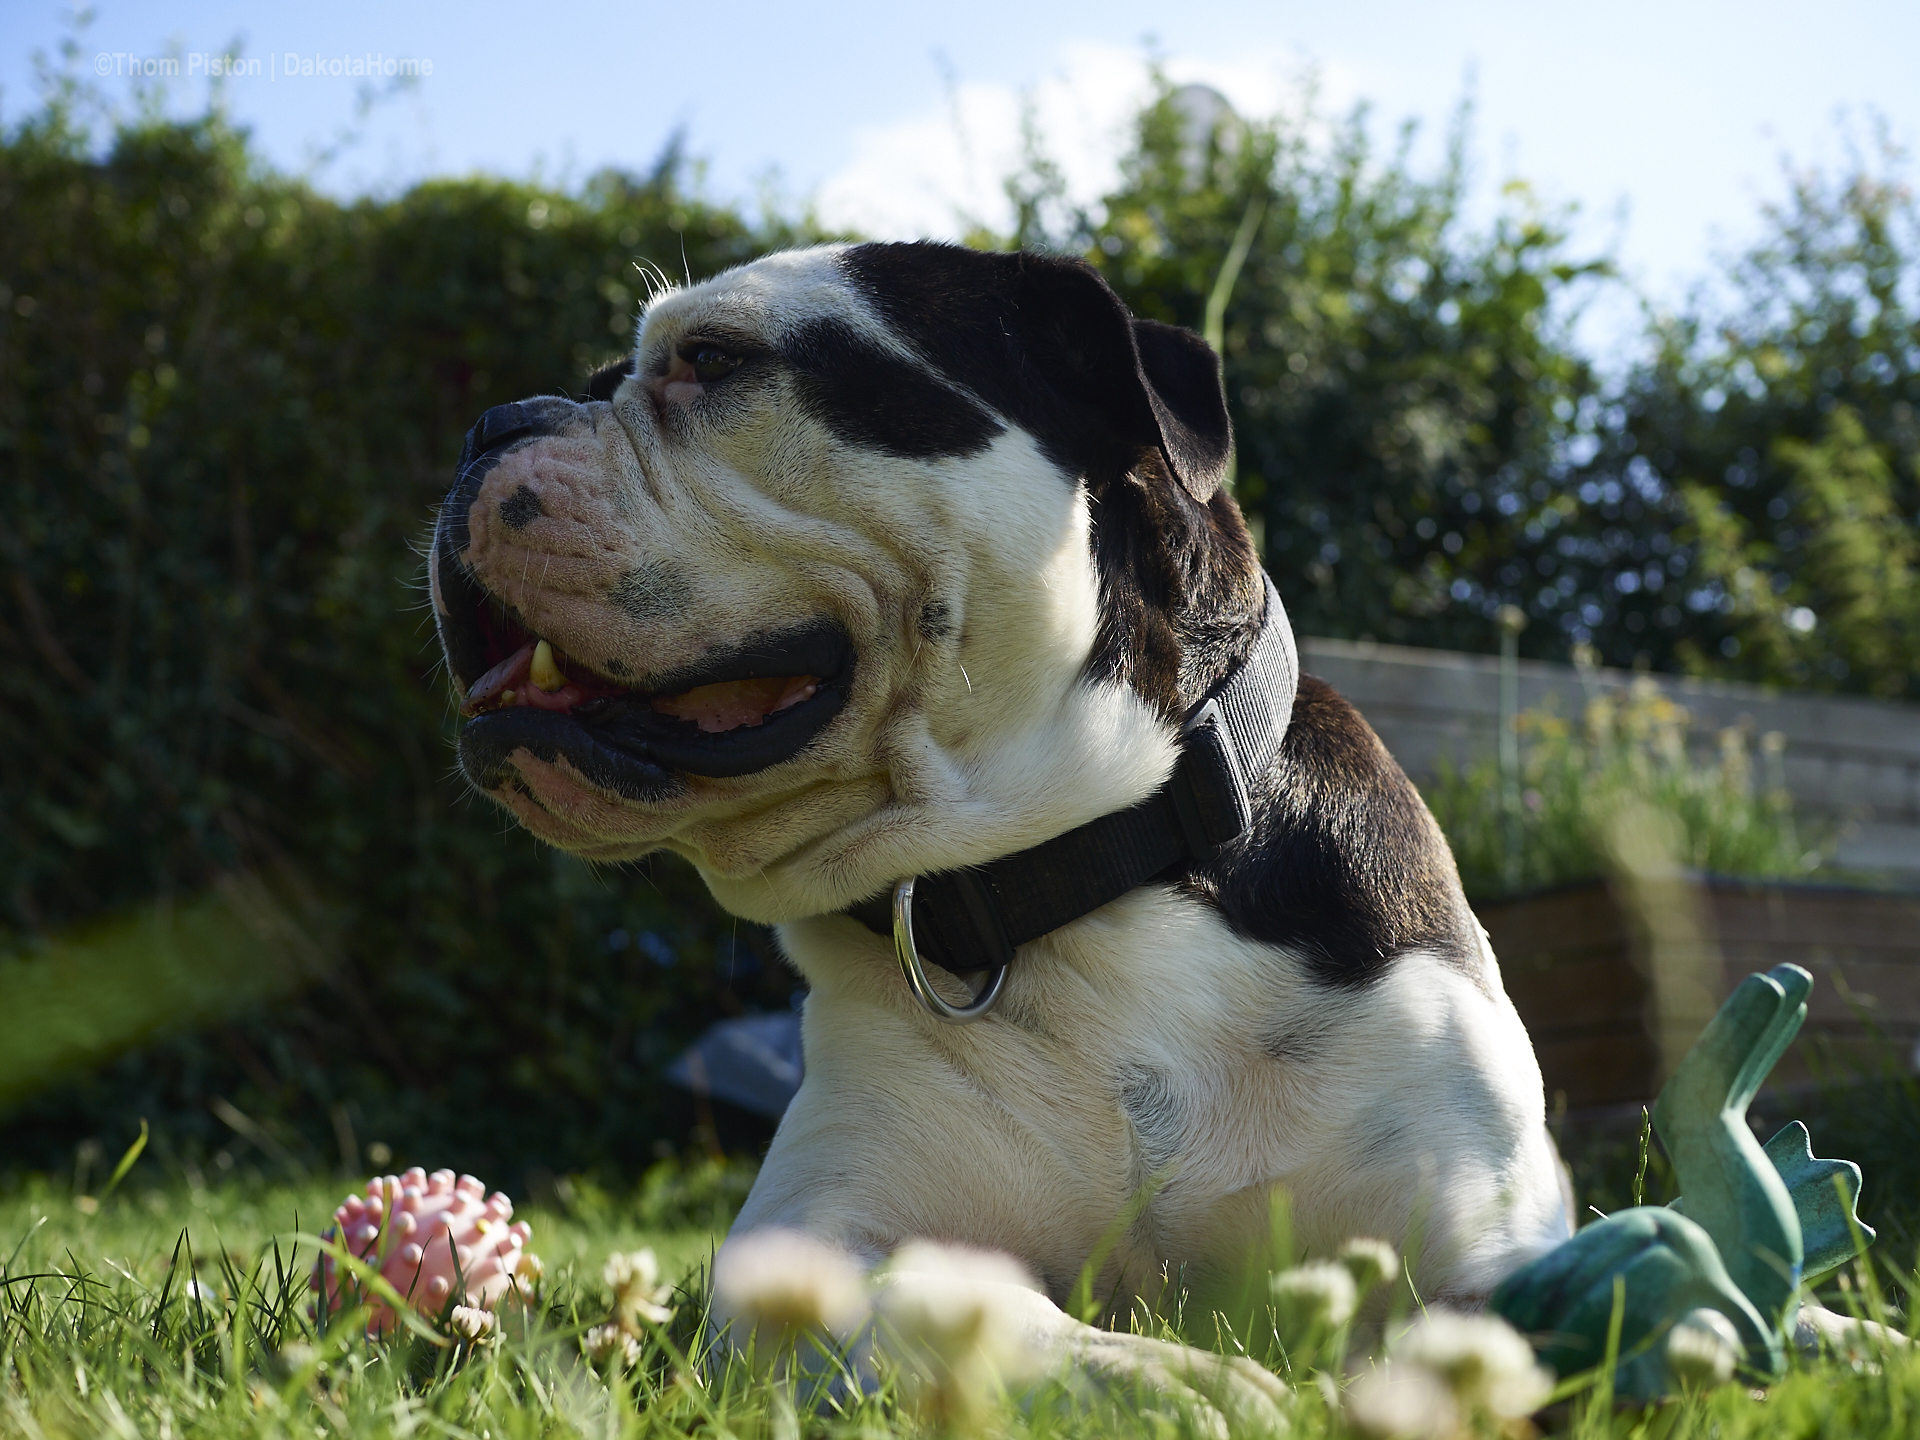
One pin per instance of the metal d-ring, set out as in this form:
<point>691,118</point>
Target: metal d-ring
<point>909,956</point>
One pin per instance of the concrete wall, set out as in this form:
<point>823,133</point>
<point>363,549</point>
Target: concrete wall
<point>1850,761</point>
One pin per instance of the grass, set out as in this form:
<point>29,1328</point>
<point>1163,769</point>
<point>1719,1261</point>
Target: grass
<point>100,1335</point>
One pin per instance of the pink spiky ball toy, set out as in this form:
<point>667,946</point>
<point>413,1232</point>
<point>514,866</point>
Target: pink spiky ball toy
<point>436,1240</point>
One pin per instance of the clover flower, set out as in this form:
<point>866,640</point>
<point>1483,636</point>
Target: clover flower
<point>609,1342</point>
<point>956,1321</point>
<point>1368,1262</point>
<point>1702,1349</point>
<point>1481,1359</point>
<point>779,1284</point>
<point>436,1239</point>
<point>1320,1294</point>
<point>634,1279</point>
<point>470,1323</point>
<point>1401,1402</point>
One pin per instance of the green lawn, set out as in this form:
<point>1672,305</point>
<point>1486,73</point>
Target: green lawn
<point>97,1337</point>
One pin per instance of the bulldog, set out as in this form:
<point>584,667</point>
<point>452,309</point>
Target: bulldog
<point>896,565</point>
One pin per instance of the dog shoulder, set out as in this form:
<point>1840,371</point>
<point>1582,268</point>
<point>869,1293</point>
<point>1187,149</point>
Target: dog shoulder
<point>1344,864</point>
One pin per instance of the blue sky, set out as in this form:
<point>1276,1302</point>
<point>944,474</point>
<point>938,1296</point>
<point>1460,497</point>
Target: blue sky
<point>1665,122</point>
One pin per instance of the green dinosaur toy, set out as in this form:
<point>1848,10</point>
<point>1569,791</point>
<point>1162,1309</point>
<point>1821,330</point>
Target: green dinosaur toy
<point>1756,1223</point>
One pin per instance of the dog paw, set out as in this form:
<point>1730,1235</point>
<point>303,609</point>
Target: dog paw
<point>1220,1394</point>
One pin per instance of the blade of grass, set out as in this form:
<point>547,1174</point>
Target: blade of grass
<point>126,1162</point>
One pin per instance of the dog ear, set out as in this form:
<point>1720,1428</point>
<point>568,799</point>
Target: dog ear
<point>1156,384</point>
<point>1181,377</point>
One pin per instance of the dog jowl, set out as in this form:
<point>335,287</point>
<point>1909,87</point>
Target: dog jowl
<point>887,561</point>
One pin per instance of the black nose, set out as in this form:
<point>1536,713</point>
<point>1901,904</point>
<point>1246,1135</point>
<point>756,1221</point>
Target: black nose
<point>500,426</point>
<point>491,434</point>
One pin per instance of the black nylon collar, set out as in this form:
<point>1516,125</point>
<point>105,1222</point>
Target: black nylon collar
<point>974,919</point>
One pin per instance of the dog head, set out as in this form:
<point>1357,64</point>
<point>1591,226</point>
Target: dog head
<point>869,561</point>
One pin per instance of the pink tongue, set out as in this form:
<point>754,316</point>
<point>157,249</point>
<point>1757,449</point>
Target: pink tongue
<point>510,683</point>
<point>735,704</point>
<point>509,674</point>
<point>729,705</point>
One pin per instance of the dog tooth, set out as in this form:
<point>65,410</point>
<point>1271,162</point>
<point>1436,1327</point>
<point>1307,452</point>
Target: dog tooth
<point>544,672</point>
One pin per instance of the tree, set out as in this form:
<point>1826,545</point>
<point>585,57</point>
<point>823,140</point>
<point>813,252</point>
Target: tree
<point>1404,392</point>
<point>1775,438</point>
<point>1839,591</point>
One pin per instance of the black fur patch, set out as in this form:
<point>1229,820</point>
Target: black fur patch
<point>869,398</point>
<point>963,311</point>
<point>1045,342</point>
<point>1344,864</point>
<point>604,381</point>
<point>1181,594</point>
<point>520,509</point>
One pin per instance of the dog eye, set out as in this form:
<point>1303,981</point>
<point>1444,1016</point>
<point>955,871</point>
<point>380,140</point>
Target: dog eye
<point>710,362</point>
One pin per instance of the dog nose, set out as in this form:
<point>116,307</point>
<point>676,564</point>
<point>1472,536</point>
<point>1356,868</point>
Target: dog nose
<point>499,426</point>
<point>493,432</point>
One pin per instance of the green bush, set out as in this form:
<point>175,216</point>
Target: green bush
<point>1404,385</point>
<point>228,408</point>
<point>1574,781</point>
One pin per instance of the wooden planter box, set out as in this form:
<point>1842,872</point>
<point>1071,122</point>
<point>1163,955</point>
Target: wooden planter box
<point>1613,999</point>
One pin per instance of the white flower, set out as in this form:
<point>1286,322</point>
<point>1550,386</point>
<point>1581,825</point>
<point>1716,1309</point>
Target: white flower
<point>1483,1360</point>
<point>1368,1261</point>
<point>781,1283</point>
<point>637,1292</point>
<point>957,1321</point>
<point>610,1342</point>
<point>637,1270</point>
<point>470,1322</point>
<point>1401,1402</point>
<point>202,1293</point>
<point>955,1301</point>
<point>1321,1292</point>
<point>1702,1348</point>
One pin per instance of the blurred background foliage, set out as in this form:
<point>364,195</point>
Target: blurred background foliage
<point>229,404</point>
<point>228,407</point>
<point>1422,439</point>
<point>1578,774</point>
